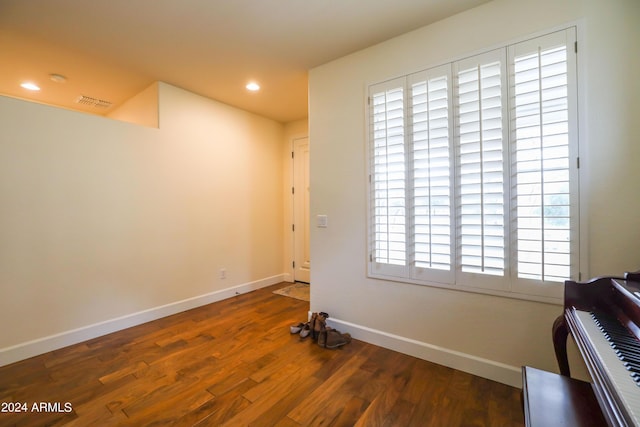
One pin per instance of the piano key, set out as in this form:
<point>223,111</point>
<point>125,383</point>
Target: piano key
<point>626,352</point>
<point>625,349</point>
<point>630,348</point>
<point>618,333</point>
<point>624,345</point>
<point>632,361</point>
<point>622,338</point>
<point>632,365</point>
<point>621,380</point>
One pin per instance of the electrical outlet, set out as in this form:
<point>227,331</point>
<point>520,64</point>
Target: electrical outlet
<point>223,273</point>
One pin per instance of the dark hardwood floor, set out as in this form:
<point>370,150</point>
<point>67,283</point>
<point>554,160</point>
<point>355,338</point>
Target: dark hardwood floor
<point>234,363</point>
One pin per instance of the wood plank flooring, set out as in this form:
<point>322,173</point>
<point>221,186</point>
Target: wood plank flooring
<point>234,363</point>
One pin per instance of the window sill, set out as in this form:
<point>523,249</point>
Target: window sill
<point>555,294</point>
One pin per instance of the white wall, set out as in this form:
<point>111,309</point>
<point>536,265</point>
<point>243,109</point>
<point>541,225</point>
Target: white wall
<point>105,224</point>
<point>141,109</point>
<point>486,335</point>
<point>612,136</point>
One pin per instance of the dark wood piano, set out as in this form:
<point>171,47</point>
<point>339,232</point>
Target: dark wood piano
<point>603,316</point>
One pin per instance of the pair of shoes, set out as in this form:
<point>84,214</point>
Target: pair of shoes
<point>295,329</point>
<point>315,327</point>
<point>301,328</point>
<point>332,338</point>
<point>317,324</point>
<point>306,331</point>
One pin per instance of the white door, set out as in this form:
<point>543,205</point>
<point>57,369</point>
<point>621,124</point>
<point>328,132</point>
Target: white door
<point>301,215</point>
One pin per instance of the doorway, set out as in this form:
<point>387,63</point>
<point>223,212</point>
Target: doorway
<point>301,214</point>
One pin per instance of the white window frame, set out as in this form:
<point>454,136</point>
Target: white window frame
<point>509,284</point>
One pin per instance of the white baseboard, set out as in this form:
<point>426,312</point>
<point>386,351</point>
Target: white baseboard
<point>53,342</point>
<point>500,372</point>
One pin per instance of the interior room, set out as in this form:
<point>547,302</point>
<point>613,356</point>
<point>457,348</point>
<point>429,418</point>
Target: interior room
<point>142,180</point>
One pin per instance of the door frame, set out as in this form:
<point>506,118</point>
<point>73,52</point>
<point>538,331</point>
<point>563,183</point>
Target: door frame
<point>288,201</point>
<point>292,198</point>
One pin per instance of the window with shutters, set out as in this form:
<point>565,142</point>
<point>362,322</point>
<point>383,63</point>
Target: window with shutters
<point>473,172</point>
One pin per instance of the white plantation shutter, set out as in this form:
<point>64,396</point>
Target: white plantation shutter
<point>388,180</point>
<point>481,167</point>
<point>543,158</point>
<point>431,180</point>
<point>411,180</point>
<point>472,172</point>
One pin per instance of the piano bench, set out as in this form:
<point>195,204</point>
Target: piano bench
<point>554,400</point>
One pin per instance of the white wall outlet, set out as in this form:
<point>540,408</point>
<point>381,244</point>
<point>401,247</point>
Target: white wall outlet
<point>223,273</point>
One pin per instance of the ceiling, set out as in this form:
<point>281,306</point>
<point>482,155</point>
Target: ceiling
<point>113,49</point>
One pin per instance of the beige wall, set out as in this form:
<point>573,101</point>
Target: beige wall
<point>104,223</point>
<point>486,335</point>
<point>141,109</point>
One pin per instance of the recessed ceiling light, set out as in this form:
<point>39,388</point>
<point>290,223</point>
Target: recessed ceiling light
<point>30,86</point>
<point>253,86</point>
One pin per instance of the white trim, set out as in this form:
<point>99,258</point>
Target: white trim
<point>290,208</point>
<point>496,371</point>
<point>295,274</point>
<point>547,299</point>
<point>583,147</point>
<point>53,342</point>
<point>288,277</point>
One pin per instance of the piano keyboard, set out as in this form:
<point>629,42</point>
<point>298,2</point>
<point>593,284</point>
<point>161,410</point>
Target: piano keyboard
<point>622,379</point>
<point>624,344</point>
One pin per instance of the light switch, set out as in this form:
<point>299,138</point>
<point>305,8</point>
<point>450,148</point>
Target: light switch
<point>321,221</point>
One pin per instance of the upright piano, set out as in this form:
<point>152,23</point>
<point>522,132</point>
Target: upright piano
<point>603,316</point>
